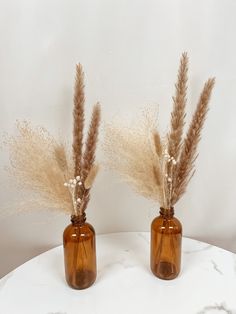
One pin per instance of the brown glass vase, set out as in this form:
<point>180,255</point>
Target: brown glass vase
<point>166,238</point>
<point>79,253</point>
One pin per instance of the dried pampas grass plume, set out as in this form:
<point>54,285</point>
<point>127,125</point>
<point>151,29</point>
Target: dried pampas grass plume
<point>78,115</point>
<point>90,146</point>
<point>185,166</point>
<point>178,113</point>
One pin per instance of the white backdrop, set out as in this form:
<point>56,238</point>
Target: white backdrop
<point>130,52</point>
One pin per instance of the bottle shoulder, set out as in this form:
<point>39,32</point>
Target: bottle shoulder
<point>161,223</point>
<point>85,230</point>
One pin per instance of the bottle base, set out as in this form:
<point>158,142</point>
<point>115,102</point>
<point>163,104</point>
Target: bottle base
<point>165,270</point>
<point>82,279</point>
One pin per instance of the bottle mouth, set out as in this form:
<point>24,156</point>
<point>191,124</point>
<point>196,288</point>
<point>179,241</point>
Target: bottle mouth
<point>78,219</point>
<point>167,211</point>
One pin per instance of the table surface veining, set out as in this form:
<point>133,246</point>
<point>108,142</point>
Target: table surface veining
<point>206,284</point>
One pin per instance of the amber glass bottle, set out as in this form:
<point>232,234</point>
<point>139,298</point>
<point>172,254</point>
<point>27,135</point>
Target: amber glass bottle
<point>79,253</point>
<point>166,237</point>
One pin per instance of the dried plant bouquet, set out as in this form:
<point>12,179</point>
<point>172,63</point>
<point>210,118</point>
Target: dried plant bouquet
<point>57,178</point>
<point>158,167</point>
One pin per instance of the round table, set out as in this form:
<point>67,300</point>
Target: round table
<point>125,284</point>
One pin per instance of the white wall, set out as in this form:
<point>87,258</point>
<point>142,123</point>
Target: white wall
<point>130,52</point>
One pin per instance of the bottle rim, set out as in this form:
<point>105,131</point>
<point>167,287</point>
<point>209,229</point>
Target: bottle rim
<point>167,211</point>
<point>78,219</point>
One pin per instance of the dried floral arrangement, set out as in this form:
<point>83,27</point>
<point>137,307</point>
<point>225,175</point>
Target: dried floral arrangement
<point>160,168</point>
<point>59,178</point>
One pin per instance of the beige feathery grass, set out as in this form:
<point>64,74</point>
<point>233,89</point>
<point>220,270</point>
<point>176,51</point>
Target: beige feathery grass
<point>131,152</point>
<point>91,177</point>
<point>61,158</point>
<point>157,142</point>
<point>159,168</point>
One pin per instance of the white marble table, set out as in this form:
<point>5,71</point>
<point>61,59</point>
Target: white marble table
<point>125,285</point>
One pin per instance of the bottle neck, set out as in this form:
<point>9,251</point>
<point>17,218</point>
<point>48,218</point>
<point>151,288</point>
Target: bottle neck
<point>78,219</point>
<point>167,212</point>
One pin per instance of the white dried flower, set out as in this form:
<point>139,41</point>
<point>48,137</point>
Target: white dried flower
<point>78,178</point>
<point>166,155</point>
